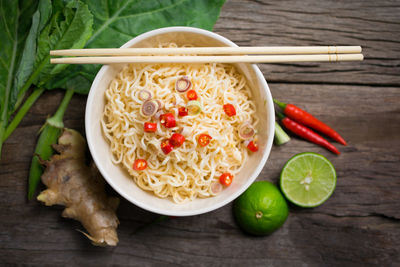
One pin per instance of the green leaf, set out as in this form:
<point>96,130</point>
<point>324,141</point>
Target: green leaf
<point>15,22</point>
<point>116,22</point>
<point>68,29</point>
<point>60,27</point>
<point>27,62</point>
<point>28,39</point>
<point>69,26</point>
<point>123,20</point>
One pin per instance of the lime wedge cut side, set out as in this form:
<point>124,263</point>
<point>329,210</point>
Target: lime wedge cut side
<point>308,179</point>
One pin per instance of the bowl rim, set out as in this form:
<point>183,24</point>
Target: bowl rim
<point>271,116</point>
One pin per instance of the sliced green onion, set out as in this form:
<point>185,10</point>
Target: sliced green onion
<point>281,136</point>
<point>194,107</point>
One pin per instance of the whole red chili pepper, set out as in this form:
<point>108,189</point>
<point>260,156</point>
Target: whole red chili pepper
<point>305,118</point>
<point>306,133</point>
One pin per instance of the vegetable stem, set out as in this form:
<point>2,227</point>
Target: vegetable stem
<point>22,112</point>
<point>29,82</point>
<point>2,131</point>
<point>281,137</point>
<point>57,119</point>
<point>280,104</point>
<point>49,136</point>
<point>280,115</point>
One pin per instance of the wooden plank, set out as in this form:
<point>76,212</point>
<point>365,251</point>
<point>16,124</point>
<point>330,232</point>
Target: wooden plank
<point>357,226</point>
<point>373,25</point>
<point>368,167</point>
<point>364,207</point>
<point>212,239</point>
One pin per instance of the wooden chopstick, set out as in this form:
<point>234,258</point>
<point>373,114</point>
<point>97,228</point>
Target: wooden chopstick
<point>207,59</point>
<point>272,50</point>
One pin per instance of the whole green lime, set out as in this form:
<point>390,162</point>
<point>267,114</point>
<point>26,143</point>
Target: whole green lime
<point>261,209</point>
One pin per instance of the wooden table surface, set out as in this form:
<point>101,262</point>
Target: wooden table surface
<point>359,225</point>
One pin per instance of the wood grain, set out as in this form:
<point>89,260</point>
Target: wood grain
<point>373,25</point>
<point>358,226</point>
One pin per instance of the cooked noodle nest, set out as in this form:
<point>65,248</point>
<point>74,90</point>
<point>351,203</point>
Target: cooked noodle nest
<point>189,171</point>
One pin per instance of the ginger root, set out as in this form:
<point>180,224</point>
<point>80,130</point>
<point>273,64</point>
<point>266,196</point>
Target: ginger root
<point>80,189</point>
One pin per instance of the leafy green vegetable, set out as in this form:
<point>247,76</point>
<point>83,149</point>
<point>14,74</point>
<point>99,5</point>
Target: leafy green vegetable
<point>69,27</point>
<point>116,22</point>
<point>72,32</point>
<point>15,21</point>
<point>66,24</point>
<point>27,63</point>
<point>54,26</point>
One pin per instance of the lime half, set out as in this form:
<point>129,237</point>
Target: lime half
<point>308,179</point>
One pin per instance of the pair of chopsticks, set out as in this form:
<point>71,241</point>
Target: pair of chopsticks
<point>265,54</point>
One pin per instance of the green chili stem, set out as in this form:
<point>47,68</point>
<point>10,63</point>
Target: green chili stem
<point>22,112</point>
<point>280,104</point>
<point>279,115</point>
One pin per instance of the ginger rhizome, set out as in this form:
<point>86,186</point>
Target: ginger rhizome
<point>80,188</point>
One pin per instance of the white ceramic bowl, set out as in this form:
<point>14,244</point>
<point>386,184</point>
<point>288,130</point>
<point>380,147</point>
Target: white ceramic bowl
<point>119,179</point>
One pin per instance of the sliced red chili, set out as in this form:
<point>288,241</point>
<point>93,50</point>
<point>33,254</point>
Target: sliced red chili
<point>226,178</point>
<point>150,127</point>
<point>204,139</point>
<point>168,120</point>
<point>177,140</point>
<point>166,147</point>
<point>182,111</point>
<point>229,110</point>
<point>252,146</point>
<point>191,95</point>
<point>140,164</point>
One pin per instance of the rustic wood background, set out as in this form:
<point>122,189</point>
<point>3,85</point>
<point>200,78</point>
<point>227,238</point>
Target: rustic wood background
<point>358,226</point>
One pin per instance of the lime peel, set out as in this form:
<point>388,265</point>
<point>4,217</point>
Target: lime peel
<point>261,209</point>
